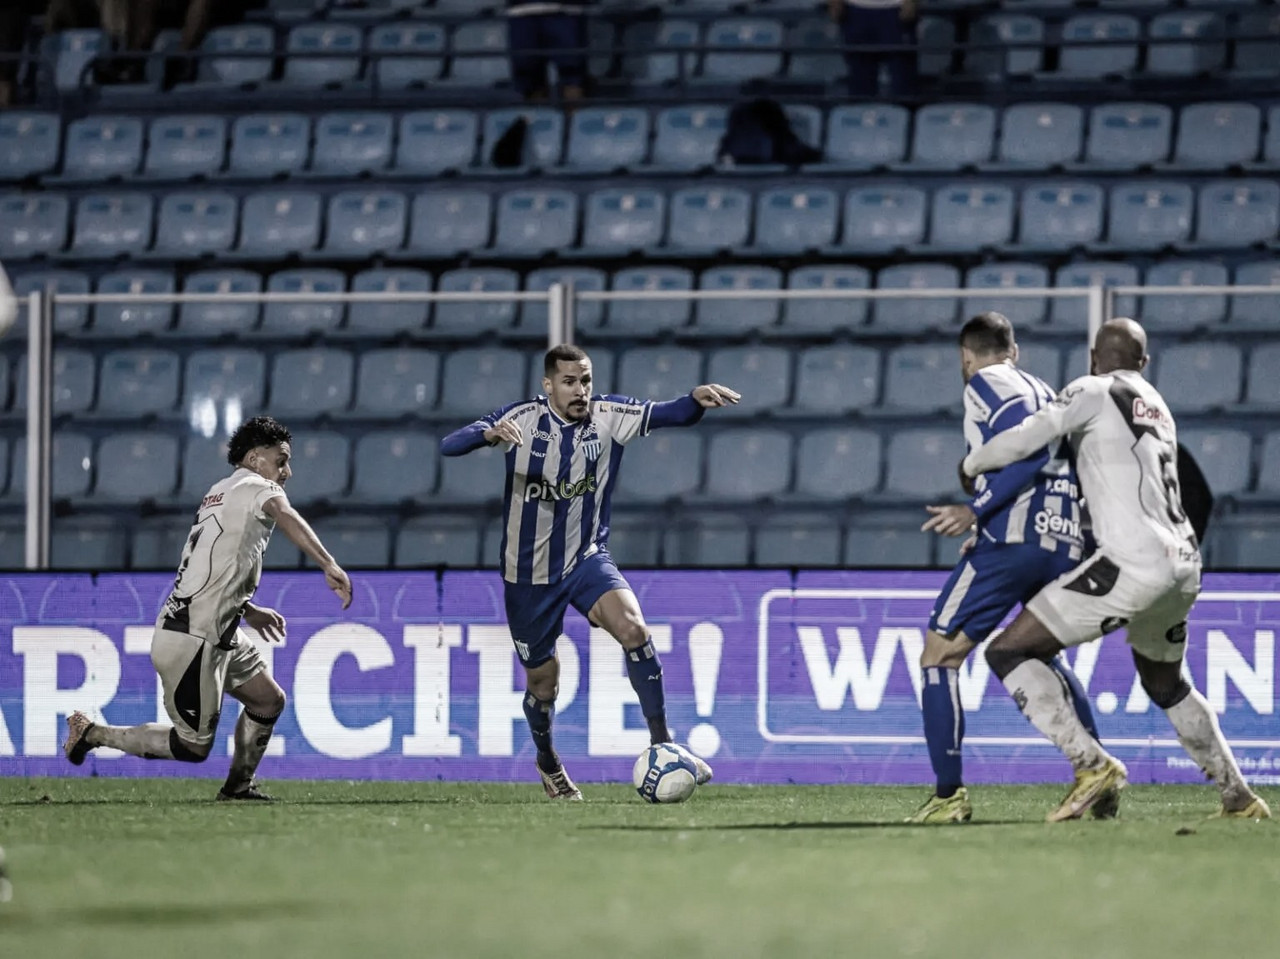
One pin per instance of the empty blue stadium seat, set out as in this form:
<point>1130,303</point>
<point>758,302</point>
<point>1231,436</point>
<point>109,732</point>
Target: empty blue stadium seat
<point>736,317</point>
<point>815,44</point>
<point>267,144</point>
<point>274,223</point>
<point>1059,216</point>
<point>936,38</point>
<point>74,50</point>
<point>158,542</point>
<point>1184,313</point>
<point>879,540</point>
<point>72,461</point>
<point>806,122</point>
<point>1042,360</point>
<point>635,540</point>
<point>1129,135</point>
<point>544,139</point>
<point>998,30</point>
<point>659,372</point>
<point>433,141</point>
<point>710,539</point>
<point>406,54</point>
<point>204,462</point>
<point>533,313</point>
<point>321,463</point>
<point>67,317</point>
<point>795,219</point>
<point>1269,465</point>
<point>112,224</point>
<point>193,224</point>
<point>1223,455</point>
<point>837,463</point>
<point>136,467</point>
<point>1217,135</point>
<point>1079,58</point>
<point>670,468</point>
<point>186,146</point>
<point>881,219</point>
<point>100,147</point>
<point>1238,213</point>
<point>709,218</point>
<point>798,539</point>
<point>1203,51</point>
<point>392,466</point>
<point>836,380</point>
<point>911,315</point>
<point>762,374</point>
<point>535,221</point>
<point>866,135</point>
<point>4,408</point>
<point>352,142</point>
<point>438,541</point>
<point>688,137</point>
<point>395,382</point>
<point>480,53</point>
<point>445,223</point>
<point>29,143</point>
<point>1148,215</point>
<point>647,318</point>
<point>1248,541</point>
<point>606,138</point>
<point>825,315</point>
<point>242,41</point>
<point>1041,135</point>
<point>747,52</point>
<point>921,463</point>
<point>73,382</point>
<point>363,542</point>
<point>301,319</point>
<point>365,223</point>
<point>388,318</point>
<point>475,318</point>
<point>311,382</point>
<point>1257,309</point>
<point>472,479</point>
<point>1008,276</point>
<point>969,218</point>
<point>623,219</point>
<point>1072,313</point>
<point>215,318</point>
<point>304,69</point>
<point>951,136</point>
<point>1258,49</point>
<point>139,382</point>
<point>648,41</point>
<point>748,463</point>
<point>87,543</point>
<point>1195,377</point>
<point>920,378</point>
<point>32,224</point>
<point>222,385</point>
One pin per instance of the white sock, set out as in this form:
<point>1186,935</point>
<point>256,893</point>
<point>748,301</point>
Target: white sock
<point>251,741</point>
<point>1201,737</point>
<point>1042,698</point>
<point>150,740</point>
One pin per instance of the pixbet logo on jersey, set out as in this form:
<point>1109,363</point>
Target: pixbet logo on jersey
<point>562,490</point>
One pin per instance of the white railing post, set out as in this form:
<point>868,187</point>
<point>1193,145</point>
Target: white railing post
<point>39,427</point>
<point>1097,310</point>
<point>561,307</point>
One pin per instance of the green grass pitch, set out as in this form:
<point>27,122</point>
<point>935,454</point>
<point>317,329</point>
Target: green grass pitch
<point>105,868</point>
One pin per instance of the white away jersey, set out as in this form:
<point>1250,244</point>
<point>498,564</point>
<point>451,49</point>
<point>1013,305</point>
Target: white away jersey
<point>1126,446</point>
<point>222,561</point>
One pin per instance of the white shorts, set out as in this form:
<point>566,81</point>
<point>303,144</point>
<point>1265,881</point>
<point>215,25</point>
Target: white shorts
<point>195,674</point>
<point>1099,596</point>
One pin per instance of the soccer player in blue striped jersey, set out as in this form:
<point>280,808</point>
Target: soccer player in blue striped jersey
<point>563,451</point>
<point>1026,522</point>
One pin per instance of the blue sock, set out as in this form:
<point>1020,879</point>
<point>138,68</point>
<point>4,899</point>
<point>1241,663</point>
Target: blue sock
<point>539,715</point>
<point>644,669</point>
<point>1078,697</point>
<point>943,727</point>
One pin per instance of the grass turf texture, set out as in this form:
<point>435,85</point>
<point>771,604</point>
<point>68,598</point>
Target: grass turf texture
<point>126,868</point>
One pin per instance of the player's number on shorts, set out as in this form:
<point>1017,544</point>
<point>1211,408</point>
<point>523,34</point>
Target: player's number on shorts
<point>1169,475</point>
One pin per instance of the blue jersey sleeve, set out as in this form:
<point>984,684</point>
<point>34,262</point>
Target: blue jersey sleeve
<point>684,411</point>
<point>471,436</point>
<point>1002,486</point>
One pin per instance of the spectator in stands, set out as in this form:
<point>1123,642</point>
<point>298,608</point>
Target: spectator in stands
<point>878,23</point>
<point>542,34</point>
<point>14,16</point>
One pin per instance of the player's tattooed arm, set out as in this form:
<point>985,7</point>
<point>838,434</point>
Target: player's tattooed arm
<point>269,624</point>
<point>290,522</point>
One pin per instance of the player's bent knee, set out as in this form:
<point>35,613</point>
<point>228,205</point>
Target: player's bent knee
<point>187,752</point>
<point>945,652</point>
<point>1004,660</point>
<point>632,635</point>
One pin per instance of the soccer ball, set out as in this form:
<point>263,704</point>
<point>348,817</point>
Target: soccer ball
<point>664,773</point>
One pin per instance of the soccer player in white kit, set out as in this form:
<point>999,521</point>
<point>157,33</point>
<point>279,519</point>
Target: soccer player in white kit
<point>198,648</point>
<point>1145,574</point>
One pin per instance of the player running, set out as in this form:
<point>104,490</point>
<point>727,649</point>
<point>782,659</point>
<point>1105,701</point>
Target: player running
<point>198,648</point>
<point>1145,574</point>
<point>563,452</point>
<point>1027,521</point>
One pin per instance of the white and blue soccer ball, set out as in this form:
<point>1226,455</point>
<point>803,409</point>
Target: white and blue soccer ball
<point>665,773</point>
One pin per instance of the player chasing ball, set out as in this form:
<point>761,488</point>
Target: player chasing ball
<point>198,649</point>
<point>563,452</point>
<point>1145,574</point>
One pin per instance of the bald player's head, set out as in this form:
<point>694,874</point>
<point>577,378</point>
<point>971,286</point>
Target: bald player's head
<point>1121,344</point>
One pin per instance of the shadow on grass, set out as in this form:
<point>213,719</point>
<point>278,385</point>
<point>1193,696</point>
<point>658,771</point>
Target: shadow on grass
<point>207,800</point>
<point>785,826</point>
<point>162,914</point>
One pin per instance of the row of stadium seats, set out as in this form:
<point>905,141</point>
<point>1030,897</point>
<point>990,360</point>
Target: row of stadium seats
<point>630,319</point>
<point>1136,215</point>
<point>1027,136</point>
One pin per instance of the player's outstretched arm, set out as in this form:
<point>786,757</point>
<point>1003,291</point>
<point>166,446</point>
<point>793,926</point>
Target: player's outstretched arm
<point>711,395</point>
<point>269,624</point>
<point>1071,412</point>
<point>486,432</point>
<point>290,522</point>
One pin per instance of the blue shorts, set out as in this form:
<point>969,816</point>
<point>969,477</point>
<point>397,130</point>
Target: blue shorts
<point>536,613</point>
<point>988,582</point>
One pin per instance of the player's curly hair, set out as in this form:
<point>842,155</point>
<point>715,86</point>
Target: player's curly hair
<point>259,431</point>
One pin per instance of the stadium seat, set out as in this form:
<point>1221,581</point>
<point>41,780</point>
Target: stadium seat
<point>688,137</point>
<point>879,540</point>
<point>438,541</point>
<point>101,147</point>
<point>1040,359</point>
<point>589,316</point>
<point>112,224</point>
<point>1041,135</point>
<point>301,319</point>
<point>936,39</point>
<point>434,141</point>
<point>1072,314</point>
<point>281,554</point>
<point>204,462</point>
<point>1001,29</point>
<point>73,382</point>
<point>1129,135</point>
<point>74,51</point>
<point>72,461</point>
<point>5,378</point>
<point>1256,309</point>
<point>535,221</point>
<point>749,48</point>
<point>920,378</point>
<point>268,144</point>
<point>67,317</point>
<point>921,463</point>
<point>836,380</point>
<point>1148,215</point>
<point>242,42</point>
<point>824,315</point>
<point>1059,216</point>
<point>544,139</point>
<point>222,384</point>
<point>1237,213</point>
<point>467,319</point>
<point>158,542</point>
<point>396,382</point>
<point>708,539</point>
<point>445,223</point>
<point>635,540</point>
<point>473,479</point>
<point>1077,363</point>
<point>392,466</point>
<point>365,223</point>
<point>882,219</point>
<point>303,68</point>
<point>606,138</point>
<point>970,218</point>
<point>480,54</point>
<point>311,382</point>
<point>1223,455</point>
<point>274,223</point>
<point>659,372</point>
<point>478,380</point>
<point>1217,135</point>
<point>186,146</point>
<point>1257,51</point>
<point>1198,377</point>
<point>351,143</point>
<point>32,225</point>
<point>136,467</point>
<point>363,542</point>
<point>1204,50</point>
<point>378,320</point>
<point>195,224</point>
<point>915,315</point>
<point>864,136</point>
<point>649,63</point>
<point>951,136</point>
<point>621,220</point>
<point>1268,465</point>
<point>139,382</point>
<point>797,539</point>
<point>29,143</point>
<point>1184,313</point>
<point>1021,310</point>
<point>834,464</point>
<point>321,463</point>
<point>748,463</point>
<point>795,219</point>
<point>95,543</point>
<point>406,55</point>
<point>669,469</point>
<point>1079,58</point>
<point>130,320</point>
<point>709,218</point>
<point>216,318</point>
<point>815,51</point>
<point>764,375</point>
<point>1248,541</point>
<point>736,318</point>
<point>632,318</point>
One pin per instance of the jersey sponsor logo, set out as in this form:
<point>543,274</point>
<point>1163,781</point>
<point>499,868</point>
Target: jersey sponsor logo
<point>542,435</point>
<point>1064,486</point>
<point>1142,412</point>
<point>1047,523</point>
<point>621,410</point>
<point>545,490</point>
<point>214,500</point>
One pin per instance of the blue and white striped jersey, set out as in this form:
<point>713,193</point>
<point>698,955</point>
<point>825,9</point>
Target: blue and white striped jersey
<point>1037,499</point>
